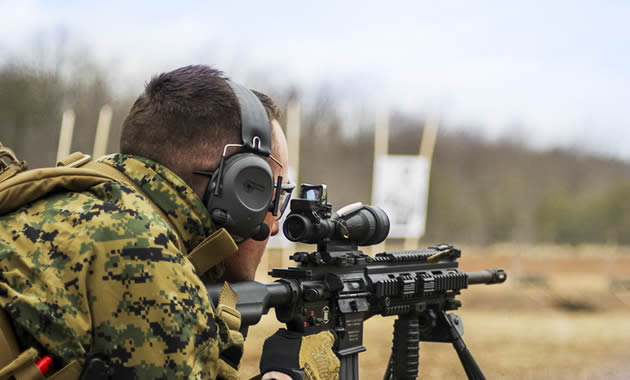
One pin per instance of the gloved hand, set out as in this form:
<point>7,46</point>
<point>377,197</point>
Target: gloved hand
<point>300,356</point>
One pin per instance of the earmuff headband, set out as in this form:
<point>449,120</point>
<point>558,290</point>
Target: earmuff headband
<point>255,129</point>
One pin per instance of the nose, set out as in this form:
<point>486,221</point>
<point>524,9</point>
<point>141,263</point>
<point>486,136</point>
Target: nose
<point>275,228</point>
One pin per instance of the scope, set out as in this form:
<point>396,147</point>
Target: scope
<point>311,220</point>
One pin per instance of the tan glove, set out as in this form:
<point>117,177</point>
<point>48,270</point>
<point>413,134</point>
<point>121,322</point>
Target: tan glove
<point>301,356</point>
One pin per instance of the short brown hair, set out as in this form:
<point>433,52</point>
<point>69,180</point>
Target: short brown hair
<point>184,117</point>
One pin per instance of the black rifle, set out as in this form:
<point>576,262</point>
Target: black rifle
<point>338,287</point>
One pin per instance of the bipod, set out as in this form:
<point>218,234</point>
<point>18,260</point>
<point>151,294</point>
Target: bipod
<point>428,326</point>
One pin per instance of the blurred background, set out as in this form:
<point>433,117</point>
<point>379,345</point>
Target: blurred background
<point>529,170</point>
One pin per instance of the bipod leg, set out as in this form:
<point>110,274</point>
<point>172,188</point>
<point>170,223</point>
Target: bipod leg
<point>456,329</point>
<point>349,369</point>
<point>403,362</point>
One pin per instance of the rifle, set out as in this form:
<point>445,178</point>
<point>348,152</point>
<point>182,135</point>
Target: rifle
<point>338,287</point>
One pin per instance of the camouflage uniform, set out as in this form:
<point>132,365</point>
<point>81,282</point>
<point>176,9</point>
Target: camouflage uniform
<point>99,271</point>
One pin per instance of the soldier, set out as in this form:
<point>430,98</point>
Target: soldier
<point>117,272</point>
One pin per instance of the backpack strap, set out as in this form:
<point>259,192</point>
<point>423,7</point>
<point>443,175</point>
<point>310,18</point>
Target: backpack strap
<point>74,160</point>
<point>8,344</point>
<point>23,367</point>
<point>31,185</point>
<point>70,372</point>
<point>9,164</point>
<point>230,355</point>
<point>212,250</point>
<point>226,307</point>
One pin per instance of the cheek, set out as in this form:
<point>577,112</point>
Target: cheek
<point>269,219</point>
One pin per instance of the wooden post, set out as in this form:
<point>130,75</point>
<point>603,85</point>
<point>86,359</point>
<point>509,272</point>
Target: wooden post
<point>102,131</point>
<point>294,132</point>
<point>381,134</point>
<point>65,134</point>
<point>429,136</point>
<point>427,146</point>
<point>294,126</point>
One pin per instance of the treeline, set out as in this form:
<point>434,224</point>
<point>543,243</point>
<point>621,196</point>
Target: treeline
<point>32,100</point>
<point>488,192</point>
<point>481,192</point>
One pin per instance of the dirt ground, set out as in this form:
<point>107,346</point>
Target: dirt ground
<point>564,313</point>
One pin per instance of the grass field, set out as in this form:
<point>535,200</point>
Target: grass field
<point>564,313</point>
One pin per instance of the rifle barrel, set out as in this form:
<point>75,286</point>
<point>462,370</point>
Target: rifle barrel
<point>488,276</point>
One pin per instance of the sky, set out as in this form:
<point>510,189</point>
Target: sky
<point>552,73</point>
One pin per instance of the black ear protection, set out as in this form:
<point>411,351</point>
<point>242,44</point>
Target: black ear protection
<point>239,193</point>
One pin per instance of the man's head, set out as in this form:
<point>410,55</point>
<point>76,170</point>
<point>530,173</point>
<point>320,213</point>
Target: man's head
<point>183,120</point>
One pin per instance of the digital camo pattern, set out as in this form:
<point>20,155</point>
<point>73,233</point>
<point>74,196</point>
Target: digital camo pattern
<point>99,271</point>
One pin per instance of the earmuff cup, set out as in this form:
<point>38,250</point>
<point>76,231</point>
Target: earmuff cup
<point>243,201</point>
<point>239,193</point>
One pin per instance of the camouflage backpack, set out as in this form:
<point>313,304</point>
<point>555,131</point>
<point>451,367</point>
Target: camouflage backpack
<point>77,172</point>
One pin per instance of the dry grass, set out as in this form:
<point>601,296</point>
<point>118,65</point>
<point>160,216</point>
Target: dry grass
<point>558,317</point>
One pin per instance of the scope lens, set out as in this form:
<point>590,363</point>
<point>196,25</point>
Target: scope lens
<point>295,227</point>
<point>381,225</point>
<point>368,226</point>
<point>313,195</point>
